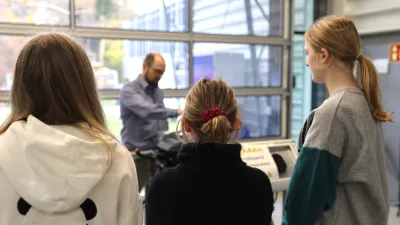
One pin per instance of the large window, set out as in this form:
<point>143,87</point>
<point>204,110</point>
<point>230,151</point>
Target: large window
<point>261,116</point>
<point>303,17</point>
<point>118,61</point>
<point>112,112</point>
<point>246,42</point>
<point>238,17</point>
<point>114,61</point>
<point>39,12</point>
<point>150,15</point>
<point>240,65</point>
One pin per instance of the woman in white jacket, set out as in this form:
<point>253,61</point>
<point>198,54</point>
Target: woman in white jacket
<point>58,162</point>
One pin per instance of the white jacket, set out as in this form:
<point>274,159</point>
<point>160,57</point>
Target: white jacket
<point>53,175</point>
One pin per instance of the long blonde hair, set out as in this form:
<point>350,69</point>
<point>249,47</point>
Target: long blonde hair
<point>206,94</point>
<point>54,82</point>
<point>340,37</point>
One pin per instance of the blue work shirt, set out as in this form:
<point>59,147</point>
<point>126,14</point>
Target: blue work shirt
<point>143,114</point>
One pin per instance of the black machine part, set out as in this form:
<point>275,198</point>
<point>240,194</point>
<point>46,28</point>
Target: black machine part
<point>169,142</point>
<point>280,163</point>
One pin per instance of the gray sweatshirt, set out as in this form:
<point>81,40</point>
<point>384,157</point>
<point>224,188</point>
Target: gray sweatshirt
<point>340,174</point>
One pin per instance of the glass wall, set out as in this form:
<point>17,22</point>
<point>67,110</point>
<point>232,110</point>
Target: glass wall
<point>246,42</point>
<point>302,88</point>
<point>236,64</point>
<point>306,95</point>
<point>234,17</point>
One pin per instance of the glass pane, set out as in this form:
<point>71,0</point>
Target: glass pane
<point>110,107</point>
<point>174,103</point>
<point>261,116</point>
<point>38,12</point>
<point>118,61</point>
<point>241,65</point>
<point>112,111</point>
<point>154,15</point>
<point>11,46</point>
<point>114,61</point>
<point>238,17</point>
<point>5,110</point>
<point>303,17</point>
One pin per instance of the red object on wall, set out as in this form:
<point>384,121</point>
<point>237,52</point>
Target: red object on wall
<point>394,52</point>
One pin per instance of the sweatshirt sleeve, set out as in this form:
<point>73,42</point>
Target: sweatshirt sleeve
<point>135,101</point>
<point>312,189</point>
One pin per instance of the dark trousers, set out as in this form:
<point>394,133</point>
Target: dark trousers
<point>143,169</point>
<point>144,166</point>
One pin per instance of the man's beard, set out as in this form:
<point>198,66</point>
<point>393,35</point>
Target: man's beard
<point>146,78</point>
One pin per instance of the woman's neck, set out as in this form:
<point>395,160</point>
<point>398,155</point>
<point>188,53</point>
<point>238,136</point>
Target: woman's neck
<point>337,80</point>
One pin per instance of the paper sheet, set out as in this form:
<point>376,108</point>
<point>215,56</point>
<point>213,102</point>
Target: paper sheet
<point>259,156</point>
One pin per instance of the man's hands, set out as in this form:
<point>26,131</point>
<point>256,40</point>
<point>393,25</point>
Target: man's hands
<point>179,112</point>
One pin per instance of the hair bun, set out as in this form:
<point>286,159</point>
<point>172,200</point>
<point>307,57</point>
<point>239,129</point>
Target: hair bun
<point>210,113</point>
<point>218,126</point>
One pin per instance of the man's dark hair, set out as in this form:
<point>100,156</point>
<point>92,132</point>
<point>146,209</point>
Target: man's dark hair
<point>149,60</point>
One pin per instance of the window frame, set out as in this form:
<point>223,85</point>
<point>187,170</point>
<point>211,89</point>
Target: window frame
<point>189,37</point>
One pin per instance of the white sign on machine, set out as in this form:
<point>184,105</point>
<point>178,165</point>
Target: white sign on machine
<point>258,156</point>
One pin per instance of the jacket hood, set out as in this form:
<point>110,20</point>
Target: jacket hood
<point>53,168</point>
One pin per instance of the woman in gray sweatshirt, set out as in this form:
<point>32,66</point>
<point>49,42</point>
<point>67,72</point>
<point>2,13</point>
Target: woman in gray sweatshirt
<point>340,175</point>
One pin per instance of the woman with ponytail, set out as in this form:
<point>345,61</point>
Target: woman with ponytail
<point>340,175</point>
<point>211,185</point>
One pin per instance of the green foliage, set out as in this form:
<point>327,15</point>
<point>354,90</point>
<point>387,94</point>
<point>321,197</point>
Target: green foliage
<point>104,8</point>
<point>113,55</point>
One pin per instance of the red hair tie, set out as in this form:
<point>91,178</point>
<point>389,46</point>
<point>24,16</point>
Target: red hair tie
<point>210,113</point>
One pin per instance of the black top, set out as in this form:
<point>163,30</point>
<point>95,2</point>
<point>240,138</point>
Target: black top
<point>210,186</point>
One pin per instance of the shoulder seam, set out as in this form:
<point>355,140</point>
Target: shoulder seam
<point>335,113</point>
<point>330,123</point>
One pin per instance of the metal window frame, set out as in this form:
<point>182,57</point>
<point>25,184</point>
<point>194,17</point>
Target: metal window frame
<point>108,33</point>
<point>190,37</point>
<point>287,69</point>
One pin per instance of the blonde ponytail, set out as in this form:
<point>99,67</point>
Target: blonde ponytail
<point>210,110</point>
<point>217,129</point>
<point>370,83</point>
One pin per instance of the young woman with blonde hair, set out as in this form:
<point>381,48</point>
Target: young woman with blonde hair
<point>340,175</point>
<point>211,185</point>
<point>58,162</point>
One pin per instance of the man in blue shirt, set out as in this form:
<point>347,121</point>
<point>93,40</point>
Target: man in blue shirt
<point>143,112</point>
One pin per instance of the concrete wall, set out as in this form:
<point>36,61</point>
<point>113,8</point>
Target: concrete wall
<point>370,16</point>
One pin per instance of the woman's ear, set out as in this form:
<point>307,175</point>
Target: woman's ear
<point>236,124</point>
<point>324,55</point>
<point>185,125</point>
